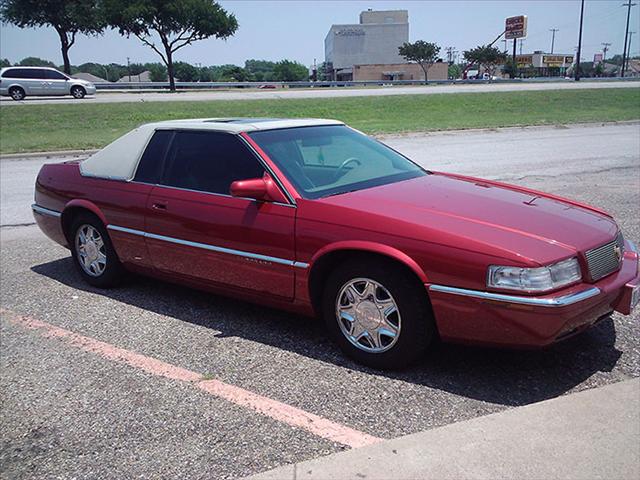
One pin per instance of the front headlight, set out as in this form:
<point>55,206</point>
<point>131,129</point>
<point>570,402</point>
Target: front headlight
<point>535,279</point>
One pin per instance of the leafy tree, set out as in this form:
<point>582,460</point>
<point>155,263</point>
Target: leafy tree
<point>455,71</point>
<point>36,62</point>
<point>289,71</point>
<point>260,70</point>
<point>233,73</point>
<point>5,63</point>
<point>423,53</point>
<point>157,72</point>
<point>185,72</point>
<point>176,23</point>
<point>67,17</point>
<point>485,56</point>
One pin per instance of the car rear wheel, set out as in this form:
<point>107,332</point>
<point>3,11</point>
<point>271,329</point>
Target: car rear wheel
<point>378,314</point>
<point>78,92</point>
<point>17,93</point>
<point>93,253</point>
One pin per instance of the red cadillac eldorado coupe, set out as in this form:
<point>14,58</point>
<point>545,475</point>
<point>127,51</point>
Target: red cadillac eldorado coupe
<point>317,218</point>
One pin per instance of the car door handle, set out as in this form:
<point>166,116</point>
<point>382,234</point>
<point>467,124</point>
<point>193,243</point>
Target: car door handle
<point>159,206</point>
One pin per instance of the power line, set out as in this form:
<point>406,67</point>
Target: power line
<point>553,36</point>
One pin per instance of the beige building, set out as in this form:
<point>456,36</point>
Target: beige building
<point>399,71</point>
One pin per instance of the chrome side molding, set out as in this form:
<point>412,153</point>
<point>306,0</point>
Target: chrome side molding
<point>561,301</point>
<point>206,246</point>
<point>45,211</point>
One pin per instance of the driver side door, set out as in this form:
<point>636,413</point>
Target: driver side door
<point>197,230</point>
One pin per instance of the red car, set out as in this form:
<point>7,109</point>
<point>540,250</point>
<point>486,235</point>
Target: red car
<point>317,218</point>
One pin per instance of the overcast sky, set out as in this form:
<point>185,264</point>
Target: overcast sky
<point>273,30</point>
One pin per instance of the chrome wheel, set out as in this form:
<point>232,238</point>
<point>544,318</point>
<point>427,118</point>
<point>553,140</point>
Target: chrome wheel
<point>90,250</point>
<point>77,92</point>
<point>368,315</point>
<point>16,93</point>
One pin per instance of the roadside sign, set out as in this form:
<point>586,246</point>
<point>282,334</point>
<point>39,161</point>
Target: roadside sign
<point>515,27</point>
<point>597,58</point>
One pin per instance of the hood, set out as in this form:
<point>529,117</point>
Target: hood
<point>482,216</point>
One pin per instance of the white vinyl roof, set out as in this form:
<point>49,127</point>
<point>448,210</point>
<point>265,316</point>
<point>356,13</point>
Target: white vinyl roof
<point>119,159</point>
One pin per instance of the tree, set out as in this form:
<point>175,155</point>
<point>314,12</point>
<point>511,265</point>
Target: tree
<point>454,71</point>
<point>36,62</point>
<point>157,72</point>
<point>5,63</point>
<point>423,53</point>
<point>289,71</point>
<point>67,17</point>
<point>176,23</point>
<point>185,72</point>
<point>485,56</point>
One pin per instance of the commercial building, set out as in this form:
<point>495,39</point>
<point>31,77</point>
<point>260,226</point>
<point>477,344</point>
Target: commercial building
<point>399,71</point>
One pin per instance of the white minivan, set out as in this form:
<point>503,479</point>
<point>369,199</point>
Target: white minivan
<point>18,82</point>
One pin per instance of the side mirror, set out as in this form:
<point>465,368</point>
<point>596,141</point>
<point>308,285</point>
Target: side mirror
<point>262,189</point>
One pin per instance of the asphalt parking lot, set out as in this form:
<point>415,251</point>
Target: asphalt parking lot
<point>154,380</point>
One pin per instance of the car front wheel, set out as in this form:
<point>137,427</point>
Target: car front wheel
<point>378,313</point>
<point>78,92</point>
<point>93,252</point>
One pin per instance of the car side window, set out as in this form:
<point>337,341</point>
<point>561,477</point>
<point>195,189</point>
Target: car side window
<point>53,75</point>
<point>15,73</point>
<point>37,73</point>
<point>152,160</point>
<point>209,162</point>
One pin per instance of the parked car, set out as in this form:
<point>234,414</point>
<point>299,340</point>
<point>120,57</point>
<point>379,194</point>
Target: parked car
<point>19,82</point>
<point>316,218</point>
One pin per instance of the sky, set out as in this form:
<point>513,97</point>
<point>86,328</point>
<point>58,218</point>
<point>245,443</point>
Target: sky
<point>295,30</point>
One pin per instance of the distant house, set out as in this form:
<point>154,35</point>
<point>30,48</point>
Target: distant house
<point>634,67</point>
<point>89,77</point>
<point>142,77</point>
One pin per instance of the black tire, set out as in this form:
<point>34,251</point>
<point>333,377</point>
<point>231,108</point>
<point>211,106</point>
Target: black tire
<point>78,92</point>
<point>112,272</point>
<point>417,326</point>
<point>17,93</point>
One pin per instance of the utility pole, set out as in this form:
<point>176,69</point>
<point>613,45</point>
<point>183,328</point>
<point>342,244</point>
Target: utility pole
<point>450,53</point>
<point>629,49</point>
<point>553,37</point>
<point>520,43</point>
<point>129,69</point>
<point>605,49</point>
<point>626,35</point>
<point>580,42</point>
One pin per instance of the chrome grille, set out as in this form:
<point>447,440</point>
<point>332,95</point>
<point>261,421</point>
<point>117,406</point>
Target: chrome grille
<point>605,259</point>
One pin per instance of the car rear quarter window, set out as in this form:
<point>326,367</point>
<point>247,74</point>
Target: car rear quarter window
<point>16,73</point>
<point>152,160</point>
<point>209,162</point>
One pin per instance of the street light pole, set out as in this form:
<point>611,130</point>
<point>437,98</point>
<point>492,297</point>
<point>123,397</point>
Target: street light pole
<point>626,36</point>
<point>553,37</point>
<point>580,42</point>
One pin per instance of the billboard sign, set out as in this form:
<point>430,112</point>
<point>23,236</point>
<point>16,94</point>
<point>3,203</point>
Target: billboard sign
<point>524,60</point>
<point>597,58</point>
<point>515,27</point>
<point>553,60</point>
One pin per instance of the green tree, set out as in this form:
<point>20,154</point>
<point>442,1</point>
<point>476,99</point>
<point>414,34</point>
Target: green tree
<point>67,17</point>
<point>5,63</point>
<point>455,71</point>
<point>176,24</point>
<point>260,70</point>
<point>233,73</point>
<point>157,72</point>
<point>36,62</point>
<point>290,71</point>
<point>185,72</point>
<point>485,56</point>
<point>423,53</point>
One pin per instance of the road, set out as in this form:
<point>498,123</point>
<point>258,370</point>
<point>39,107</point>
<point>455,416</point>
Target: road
<point>239,94</point>
<point>143,380</point>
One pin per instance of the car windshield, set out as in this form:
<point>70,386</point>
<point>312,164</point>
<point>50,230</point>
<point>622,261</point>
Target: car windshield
<point>330,160</point>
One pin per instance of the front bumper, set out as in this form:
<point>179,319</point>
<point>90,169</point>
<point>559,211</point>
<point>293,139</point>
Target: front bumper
<point>472,316</point>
